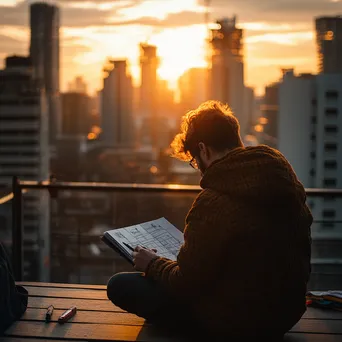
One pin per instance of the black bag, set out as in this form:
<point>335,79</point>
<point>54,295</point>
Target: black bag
<point>13,298</point>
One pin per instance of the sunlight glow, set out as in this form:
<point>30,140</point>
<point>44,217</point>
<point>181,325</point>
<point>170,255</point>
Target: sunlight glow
<point>8,2</point>
<point>16,32</point>
<point>288,38</point>
<point>180,49</point>
<point>102,6</point>
<point>160,9</point>
<point>272,27</point>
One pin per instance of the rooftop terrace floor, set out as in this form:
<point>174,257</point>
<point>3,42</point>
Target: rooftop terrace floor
<point>97,319</point>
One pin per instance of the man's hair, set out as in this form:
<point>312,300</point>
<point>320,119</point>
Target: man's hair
<point>213,124</point>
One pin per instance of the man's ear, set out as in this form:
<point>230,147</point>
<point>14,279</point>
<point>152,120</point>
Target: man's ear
<point>203,148</point>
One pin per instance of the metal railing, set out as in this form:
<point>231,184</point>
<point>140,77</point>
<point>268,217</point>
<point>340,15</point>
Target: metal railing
<point>19,187</point>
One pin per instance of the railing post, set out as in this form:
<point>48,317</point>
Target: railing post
<point>17,236</point>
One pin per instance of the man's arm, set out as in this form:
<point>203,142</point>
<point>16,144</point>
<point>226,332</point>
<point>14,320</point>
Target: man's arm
<point>202,247</point>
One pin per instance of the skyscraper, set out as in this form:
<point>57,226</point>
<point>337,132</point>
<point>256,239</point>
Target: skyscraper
<point>117,106</point>
<point>44,52</point>
<point>227,68</point>
<point>192,86</point>
<point>148,121</point>
<point>24,153</point>
<point>310,137</point>
<point>329,44</point>
<point>76,118</point>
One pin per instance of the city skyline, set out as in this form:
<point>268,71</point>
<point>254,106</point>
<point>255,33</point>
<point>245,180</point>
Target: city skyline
<point>277,34</point>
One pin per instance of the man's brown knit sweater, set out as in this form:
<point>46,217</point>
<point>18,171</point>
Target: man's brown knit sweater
<point>245,262</point>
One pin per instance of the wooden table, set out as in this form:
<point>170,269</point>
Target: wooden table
<point>97,319</point>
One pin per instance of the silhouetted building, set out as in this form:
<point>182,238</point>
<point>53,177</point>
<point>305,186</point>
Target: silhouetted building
<point>192,87</point>
<point>249,107</point>
<point>77,85</point>
<point>117,106</point>
<point>329,44</point>
<point>310,136</point>
<point>269,111</point>
<point>148,114</point>
<point>24,153</point>
<point>44,52</point>
<point>227,68</point>
<point>76,115</point>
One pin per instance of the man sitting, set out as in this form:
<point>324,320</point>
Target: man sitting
<point>245,262</point>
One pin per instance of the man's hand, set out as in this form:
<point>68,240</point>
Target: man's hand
<point>142,257</point>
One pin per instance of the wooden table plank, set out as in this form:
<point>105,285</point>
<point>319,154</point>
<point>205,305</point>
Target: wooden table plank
<point>62,285</point>
<point>93,317</point>
<point>318,313</point>
<point>23,339</point>
<point>89,332</point>
<point>66,303</point>
<point>311,338</point>
<point>66,293</point>
<point>318,326</point>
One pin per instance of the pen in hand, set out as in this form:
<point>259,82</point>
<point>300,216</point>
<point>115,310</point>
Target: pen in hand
<point>131,248</point>
<point>128,246</point>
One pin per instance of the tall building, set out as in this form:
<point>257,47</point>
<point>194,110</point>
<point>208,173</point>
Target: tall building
<point>44,52</point>
<point>148,119</point>
<point>117,105</point>
<point>227,68</point>
<point>329,44</point>
<point>24,153</point>
<point>77,85</point>
<point>249,107</point>
<point>269,110</point>
<point>192,87</point>
<point>76,115</point>
<point>310,136</point>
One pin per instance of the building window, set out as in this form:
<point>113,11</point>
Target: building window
<point>313,155</point>
<point>331,129</point>
<point>328,225</point>
<point>329,35</point>
<point>314,120</point>
<point>313,137</point>
<point>331,94</point>
<point>311,204</point>
<point>329,213</point>
<point>331,112</point>
<point>330,164</point>
<point>329,198</point>
<point>329,147</point>
<point>330,182</point>
<point>312,173</point>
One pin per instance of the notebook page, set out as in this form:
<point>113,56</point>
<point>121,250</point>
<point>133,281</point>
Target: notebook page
<point>159,234</point>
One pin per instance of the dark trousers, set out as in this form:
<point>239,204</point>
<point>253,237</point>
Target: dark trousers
<point>137,294</point>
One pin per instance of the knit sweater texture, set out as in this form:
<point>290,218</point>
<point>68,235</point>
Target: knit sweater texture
<point>245,263</point>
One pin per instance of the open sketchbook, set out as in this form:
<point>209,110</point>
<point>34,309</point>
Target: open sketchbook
<point>159,234</point>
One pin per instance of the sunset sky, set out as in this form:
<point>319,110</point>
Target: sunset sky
<point>278,33</point>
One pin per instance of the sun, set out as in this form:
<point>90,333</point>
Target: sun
<point>180,49</point>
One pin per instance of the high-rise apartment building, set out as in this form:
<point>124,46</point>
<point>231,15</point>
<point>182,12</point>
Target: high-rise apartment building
<point>329,44</point>
<point>76,115</point>
<point>78,85</point>
<point>148,119</point>
<point>310,136</point>
<point>192,87</point>
<point>269,110</point>
<point>24,153</point>
<point>44,52</point>
<point>227,68</point>
<point>117,106</point>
